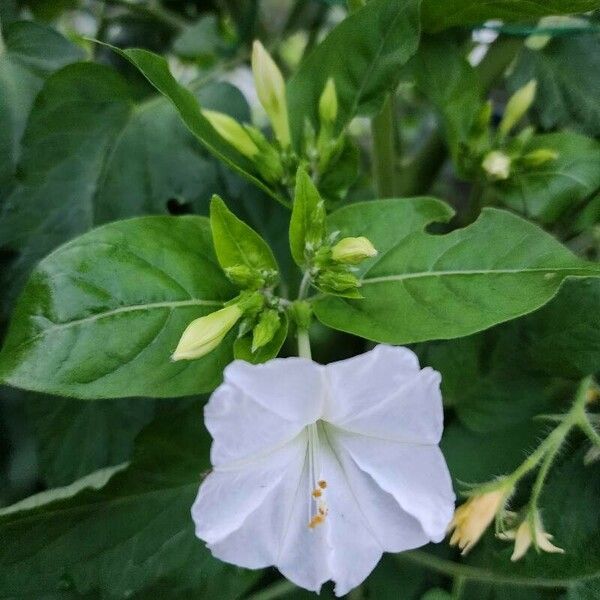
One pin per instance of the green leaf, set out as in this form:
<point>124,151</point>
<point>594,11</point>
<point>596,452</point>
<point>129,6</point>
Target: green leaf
<point>134,533</point>
<point>564,97</point>
<point>424,286</point>
<point>202,40</point>
<point>156,70</point>
<point>237,243</point>
<point>438,15</point>
<point>75,438</point>
<point>308,217</point>
<point>547,191</point>
<point>375,42</point>
<point>242,348</point>
<point>31,52</point>
<point>116,158</point>
<point>100,317</point>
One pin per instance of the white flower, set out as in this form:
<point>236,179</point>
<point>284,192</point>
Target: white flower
<point>318,470</point>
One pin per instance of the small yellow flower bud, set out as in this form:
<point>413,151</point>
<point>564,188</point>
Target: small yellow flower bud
<point>473,517</point>
<point>232,132</point>
<point>270,87</point>
<point>524,535</point>
<point>328,103</point>
<point>517,106</point>
<point>497,165</point>
<point>539,157</point>
<point>203,335</point>
<point>353,250</point>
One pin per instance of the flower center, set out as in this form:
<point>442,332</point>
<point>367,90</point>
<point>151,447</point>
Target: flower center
<point>317,506</point>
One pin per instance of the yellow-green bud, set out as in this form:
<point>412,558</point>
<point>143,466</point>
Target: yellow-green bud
<point>496,164</point>
<point>338,281</point>
<point>539,157</point>
<point>270,87</point>
<point>203,335</point>
<point>518,104</point>
<point>353,250</point>
<point>232,132</point>
<point>266,328</point>
<point>244,276</point>
<point>328,103</point>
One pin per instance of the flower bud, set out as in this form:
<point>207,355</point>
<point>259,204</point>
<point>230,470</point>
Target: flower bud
<point>338,281</point>
<point>244,276</point>
<point>539,157</point>
<point>530,530</point>
<point>328,103</point>
<point>497,165</point>
<point>353,250</point>
<point>517,106</point>
<point>203,335</point>
<point>232,132</point>
<point>270,87</point>
<point>266,328</point>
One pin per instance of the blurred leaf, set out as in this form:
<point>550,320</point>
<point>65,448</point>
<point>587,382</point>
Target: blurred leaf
<point>48,10</point>
<point>134,533</point>
<point>424,286</point>
<point>375,42</point>
<point>586,590</point>
<point>567,70</point>
<point>546,192</point>
<point>75,438</point>
<point>100,317</point>
<point>439,15</point>
<point>201,41</point>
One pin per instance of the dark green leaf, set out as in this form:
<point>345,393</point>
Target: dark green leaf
<point>375,42</point>
<point>100,316</point>
<point>424,286</point>
<point>134,533</point>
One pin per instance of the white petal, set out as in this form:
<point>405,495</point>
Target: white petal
<point>363,519</point>
<point>228,495</point>
<point>384,394</point>
<point>417,477</point>
<point>260,407</point>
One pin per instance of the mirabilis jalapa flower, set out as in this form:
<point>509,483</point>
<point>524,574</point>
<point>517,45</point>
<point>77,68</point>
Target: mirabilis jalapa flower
<point>318,470</point>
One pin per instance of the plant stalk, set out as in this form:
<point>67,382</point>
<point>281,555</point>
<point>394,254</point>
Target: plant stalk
<point>384,151</point>
<point>304,344</point>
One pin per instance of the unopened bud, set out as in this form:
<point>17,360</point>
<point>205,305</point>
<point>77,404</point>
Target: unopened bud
<point>266,328</point>
<point>270,87</point>
<point>328,103</point>
<point>539,157</point>
<point>497,165</point>
<point>353,250</point>
<point>204,334</point>
<point>267,161</point>
<point>338,281</point>
<point>232,132</point>
<point>517,106</point>
<point>244,276</point>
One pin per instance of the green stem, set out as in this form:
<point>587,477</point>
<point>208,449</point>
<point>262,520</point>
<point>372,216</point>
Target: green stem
<point>278,589</point>
<point>589,430</point>
<point>304,344</point>
<point>304,286</point>
<point>458,586</point>
<point>153,10</point>
<point>384,155</point>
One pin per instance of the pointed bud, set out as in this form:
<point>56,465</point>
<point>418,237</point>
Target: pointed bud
<point>270,87</point>
<point>497,165</point>
<point>338,281</point>
<point>353,250</point>
<point>530,531</point>
<point>328,103</point>
<point>268,160</point>
<point>517,106</point>
<point>265,330</point>
<point>204,334</point>
<point>244,276</point>
<point>539,157</point>
<point>232,132</point>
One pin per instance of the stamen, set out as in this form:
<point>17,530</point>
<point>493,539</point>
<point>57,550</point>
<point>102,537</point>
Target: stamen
<point>316,497</point>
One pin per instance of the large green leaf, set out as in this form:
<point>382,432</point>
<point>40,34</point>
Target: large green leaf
<point>92,154</point>
<point>547,191</point>
<point>568,74</point>
<point>100,317</point>
<point>374,43</point>
<point>155,68</point>
<point>439,15</point>
<point>31,52</point>
<point>134,533</point>
<point>424,286</point>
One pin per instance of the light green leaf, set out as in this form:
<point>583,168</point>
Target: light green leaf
<point>134,533</point>
<point>547,191</point>
<point>237,243</point>
<point>100,317</point>
<point>374,43</point>
<point>156,70</point>
<point>242,348</point>
<point>564,97</point>
<point>308,217</point>
<point>424,286</point>
<point>439,15</point>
